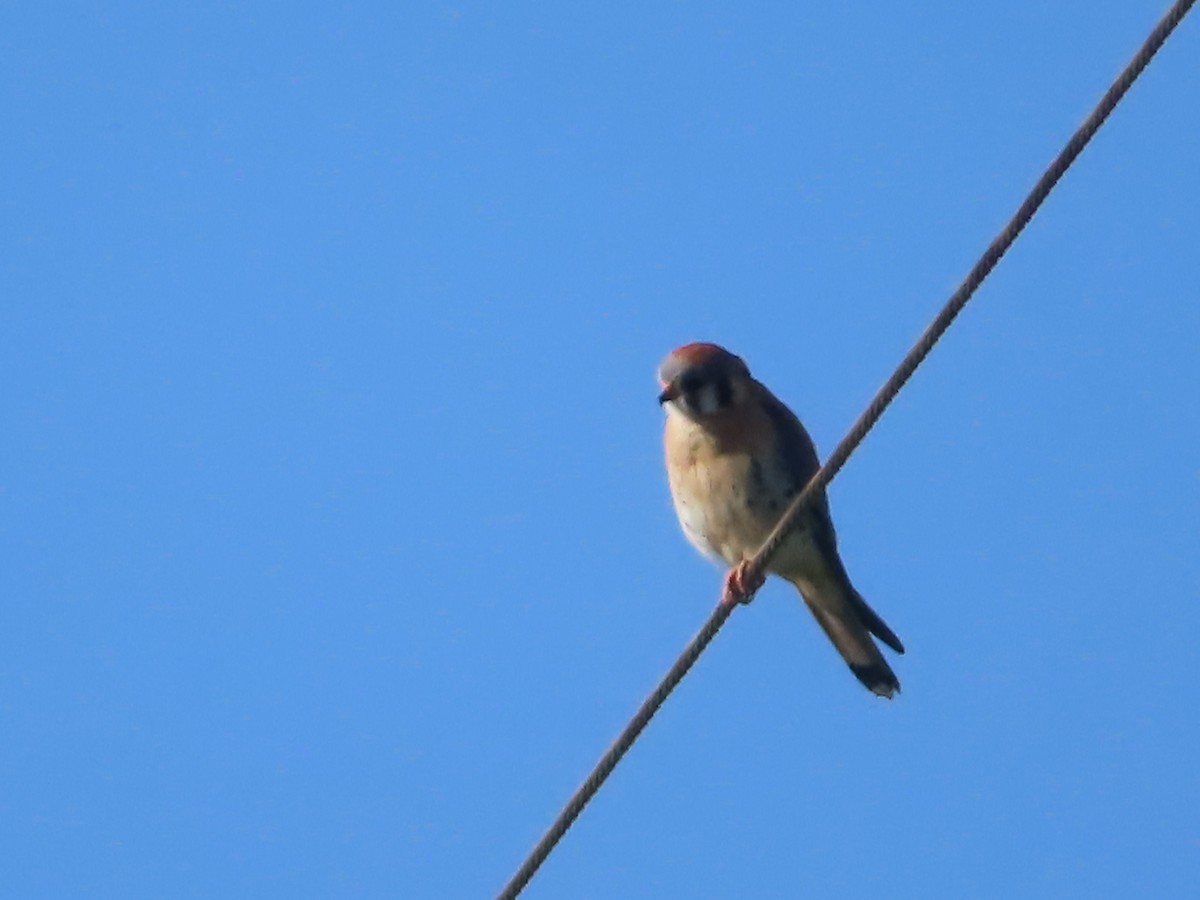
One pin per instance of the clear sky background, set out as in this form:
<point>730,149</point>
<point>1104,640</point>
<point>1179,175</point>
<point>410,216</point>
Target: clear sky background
<point>337,545</point>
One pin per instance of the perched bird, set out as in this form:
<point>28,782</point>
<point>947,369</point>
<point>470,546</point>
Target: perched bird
<point>736,458</point>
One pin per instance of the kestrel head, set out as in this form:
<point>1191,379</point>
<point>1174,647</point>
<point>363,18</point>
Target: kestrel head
<point>701,380</point>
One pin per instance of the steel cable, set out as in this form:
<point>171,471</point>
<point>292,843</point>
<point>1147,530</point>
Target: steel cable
<point>756,566</point>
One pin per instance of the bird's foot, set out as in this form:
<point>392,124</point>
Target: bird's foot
<point>741,584</point>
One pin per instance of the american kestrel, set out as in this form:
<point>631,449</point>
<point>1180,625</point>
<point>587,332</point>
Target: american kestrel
<point>736,457</point>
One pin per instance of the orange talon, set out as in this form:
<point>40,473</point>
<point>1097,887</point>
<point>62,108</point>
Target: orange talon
<point>739,586</point>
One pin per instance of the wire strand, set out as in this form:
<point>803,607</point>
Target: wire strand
<point>756,566</point>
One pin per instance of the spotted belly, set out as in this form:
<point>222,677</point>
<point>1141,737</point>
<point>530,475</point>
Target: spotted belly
<point>728,505</point>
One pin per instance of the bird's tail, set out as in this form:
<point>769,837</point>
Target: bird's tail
<point>849,622</point>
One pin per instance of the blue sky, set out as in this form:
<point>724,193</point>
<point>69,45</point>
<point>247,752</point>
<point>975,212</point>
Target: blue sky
<point>337,541</point>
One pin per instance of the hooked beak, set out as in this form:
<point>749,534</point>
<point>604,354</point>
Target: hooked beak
<point>669,393</point>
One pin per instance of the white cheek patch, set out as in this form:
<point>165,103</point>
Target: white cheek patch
<point>675,408</point>
<point>706,400</point>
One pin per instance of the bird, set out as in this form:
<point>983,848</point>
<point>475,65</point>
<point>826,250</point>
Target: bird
<point>736,457</point>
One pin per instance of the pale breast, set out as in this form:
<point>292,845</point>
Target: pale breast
<point>727,497</point>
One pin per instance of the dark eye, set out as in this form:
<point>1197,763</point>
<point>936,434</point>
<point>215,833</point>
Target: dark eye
<point>690,383</point>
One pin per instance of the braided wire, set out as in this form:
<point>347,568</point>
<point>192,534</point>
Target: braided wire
<point>613,755</point>
<point>756,566</point>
